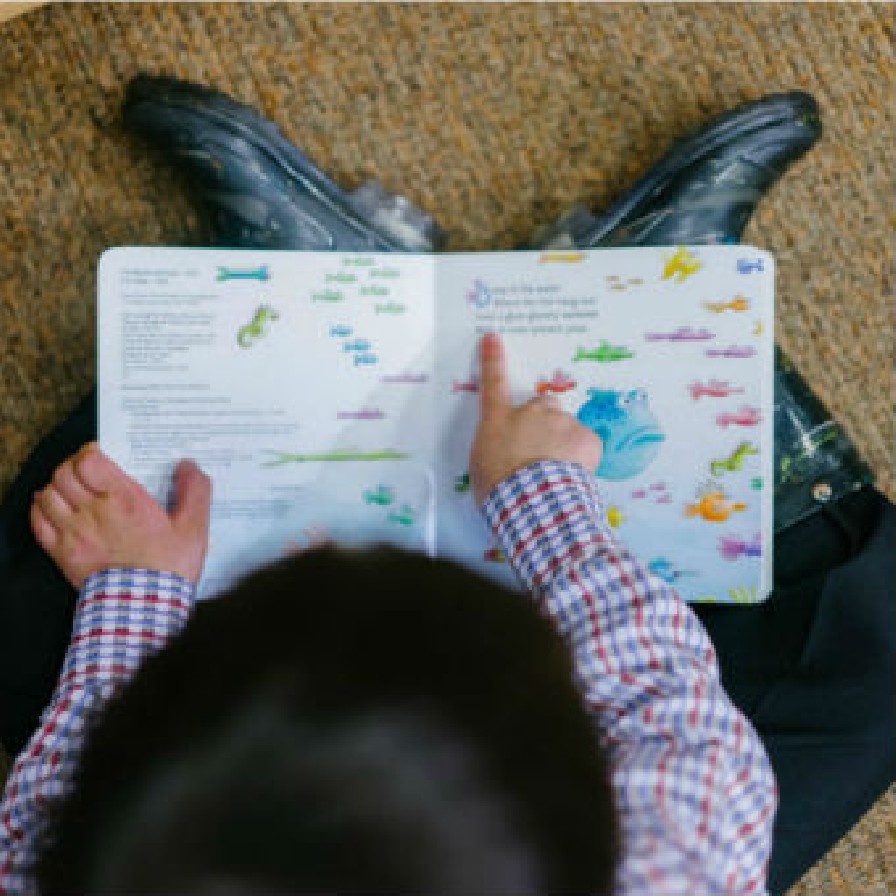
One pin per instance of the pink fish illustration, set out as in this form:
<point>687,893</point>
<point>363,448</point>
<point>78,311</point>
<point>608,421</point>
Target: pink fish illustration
<point>559,382</point>
<point>746,416</point>
<point>714,389</point>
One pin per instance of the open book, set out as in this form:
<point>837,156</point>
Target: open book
<point>335,394</point>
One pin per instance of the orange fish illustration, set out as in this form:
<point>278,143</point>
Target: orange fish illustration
<point>714,507</point>
<point>738,303</point>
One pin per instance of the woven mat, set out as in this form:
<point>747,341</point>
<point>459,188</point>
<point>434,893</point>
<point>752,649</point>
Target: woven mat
<point>495,118</point>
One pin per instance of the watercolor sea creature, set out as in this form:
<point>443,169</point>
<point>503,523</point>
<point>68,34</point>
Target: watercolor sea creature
<point>714,389</point>
<point>462,483</point>
<point>404,516</point>
<point>327,295</point>
<point>604,353</point>
<point>261,273</point>
<point>665,569</point>
<point>341,330</point>
<point>558,382</point>
<point>630,433</point>
<point>746,416</point>
<point>257,327</point>
<point>682,334</point>
<point>746,266</point>
<point>734,461</point>
<point>470,385</point>
<point>681,265</point>
<point>733,546</point>
<point>714,507</point>
<point>733,351</point>
<point>356,345</point>
<point>366,359</point>
<point>738,303</point>
<point>382,495</point>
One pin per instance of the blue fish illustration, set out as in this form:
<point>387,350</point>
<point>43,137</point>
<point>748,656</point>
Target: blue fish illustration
<point>630,433</point>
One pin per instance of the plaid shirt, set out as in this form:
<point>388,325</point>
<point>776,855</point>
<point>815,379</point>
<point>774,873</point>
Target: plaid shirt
<point>693,787</point>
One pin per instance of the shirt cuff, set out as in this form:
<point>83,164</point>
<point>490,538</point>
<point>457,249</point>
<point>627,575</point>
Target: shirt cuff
<point>122,615</point>
<point>546,515</point>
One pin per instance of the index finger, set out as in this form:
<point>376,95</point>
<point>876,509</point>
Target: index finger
<point>494,388</point>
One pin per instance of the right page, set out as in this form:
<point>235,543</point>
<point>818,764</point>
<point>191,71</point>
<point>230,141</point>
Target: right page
<point>666,353</point>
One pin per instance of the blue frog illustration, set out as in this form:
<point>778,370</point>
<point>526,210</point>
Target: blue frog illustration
<point>630,433</point>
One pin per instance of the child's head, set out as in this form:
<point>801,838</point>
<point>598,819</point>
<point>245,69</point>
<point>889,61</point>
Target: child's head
<point>345,722</point>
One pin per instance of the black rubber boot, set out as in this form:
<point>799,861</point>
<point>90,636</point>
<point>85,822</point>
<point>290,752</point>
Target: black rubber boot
<point>255,188</point>
<point>702,192</point>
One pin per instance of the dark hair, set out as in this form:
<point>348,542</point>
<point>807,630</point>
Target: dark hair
<point>345,721</point>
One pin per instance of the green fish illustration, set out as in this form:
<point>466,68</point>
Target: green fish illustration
<point>381,495</point>
<point>735,461</point>
<point>604,353</point>
<point>257,327</point>
<point>404,517</point>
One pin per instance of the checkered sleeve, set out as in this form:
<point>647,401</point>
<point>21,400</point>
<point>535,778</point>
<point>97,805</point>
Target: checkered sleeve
<point>122,616</point>
<point>694,790</point>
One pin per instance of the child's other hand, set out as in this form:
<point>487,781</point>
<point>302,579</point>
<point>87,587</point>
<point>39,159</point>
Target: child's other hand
<point>93,516</point>
<point>510,438</point>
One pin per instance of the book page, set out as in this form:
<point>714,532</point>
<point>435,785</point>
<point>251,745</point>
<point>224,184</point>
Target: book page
<point>667,354</point>
<point>301,382</point>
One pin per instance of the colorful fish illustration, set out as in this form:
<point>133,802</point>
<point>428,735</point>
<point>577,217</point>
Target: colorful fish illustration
<point>665,569</point>
<point>733,351</point>
<point>382,495</point>
<point>630,433</point>
<point>462,483</point>
<point>341,330</point>
<point>738,303</point>
<point>714,389</point>
<point>733,546</point>
<point>714,507</point>
<point>746,416</point>
<point>682,334</point>
<point>404,516</point>
<point>471,385</point>
<point>615,517</point>
<point>559,382</point>
<point>734,461</point>
<point>327,295</point>
<point>261,273</point>
<point>681,265</point>
<point>257,327</point>
<point>604,353</point>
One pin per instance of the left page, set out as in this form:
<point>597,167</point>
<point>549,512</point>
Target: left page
<point>301,382</point>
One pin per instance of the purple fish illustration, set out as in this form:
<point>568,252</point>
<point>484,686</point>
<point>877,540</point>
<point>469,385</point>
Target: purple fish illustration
<point>733,351</point>
<point>733,546</point>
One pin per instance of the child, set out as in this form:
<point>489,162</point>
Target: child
<point>422,736</point>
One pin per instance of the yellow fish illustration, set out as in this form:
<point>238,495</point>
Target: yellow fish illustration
<point>615,517</point>
<point>561,256</point>
<point>738,303</point>
<point>681,263</point>
<point>714,507</point>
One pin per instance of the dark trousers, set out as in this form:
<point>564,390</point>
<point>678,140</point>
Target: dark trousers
<point>812,667</point>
